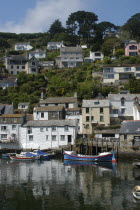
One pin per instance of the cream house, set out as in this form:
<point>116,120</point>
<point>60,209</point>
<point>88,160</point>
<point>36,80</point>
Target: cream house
<point>95,112</point>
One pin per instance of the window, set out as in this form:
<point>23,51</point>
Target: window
<point>92,117</point>
<point>125,137</point>
<point>29,130</point>
<point>11,72</point>
<point>101,118</point>
<point>23,67</point>
<point>42,114</point>
<point>3,136</point>
<point>122,111</point>
<point>53,138</point>
<point>138,68</point>
<point>17,67</point>
<point>66,127</point>
<point>132,47</point>
<point>62,138</point>
<point>97,54</point>
<point>23,106</point>
<point>33,69</point>
<point>53,128</point>
<point>126,69</point>
<point>133,53</point>
<point>137,75</point>
<point>46,128</point>
<point>101,110</point>
<point>114,111</point>
<point>122,101</point>
<point>47,138</point>
<point>87,110</point>
<point>109,76</point>
<point>31,138</point>
<point>3,128</point>
<point>17,72</point>
<point>87,118</point>
<point>11,67</point>
<point>33,63</point>
<point>13,127</point>
<point>41,130</point>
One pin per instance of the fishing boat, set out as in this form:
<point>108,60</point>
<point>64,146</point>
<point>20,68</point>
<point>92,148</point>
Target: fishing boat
<point>7,155</point>
<point>43,155</point>
<point>102,157</point>
<point>25,156</point>
<point>136,192</point>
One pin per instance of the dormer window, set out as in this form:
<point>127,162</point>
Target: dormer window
<point>123,101</point>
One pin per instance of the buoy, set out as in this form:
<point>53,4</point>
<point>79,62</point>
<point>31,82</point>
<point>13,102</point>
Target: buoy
<point>113,159</point>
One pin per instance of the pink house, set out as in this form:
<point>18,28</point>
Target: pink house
<point>132,48</point>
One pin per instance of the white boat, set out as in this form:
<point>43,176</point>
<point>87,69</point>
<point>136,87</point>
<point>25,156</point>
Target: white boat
<point>136,192</point>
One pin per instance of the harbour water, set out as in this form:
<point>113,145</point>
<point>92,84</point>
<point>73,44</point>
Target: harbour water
<point>57,185</point>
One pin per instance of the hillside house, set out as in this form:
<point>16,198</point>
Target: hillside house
<point>132,48</point>
<point>70,57</point>
<point>23,46</point>
<point>116,74</point>
<point>39,54</point>
<point>55,45</point>
<point>18,63</point>
<point>95,112</point>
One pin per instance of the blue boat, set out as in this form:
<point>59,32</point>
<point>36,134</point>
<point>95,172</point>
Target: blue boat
<point>102,157</point>
<point>43,155</point>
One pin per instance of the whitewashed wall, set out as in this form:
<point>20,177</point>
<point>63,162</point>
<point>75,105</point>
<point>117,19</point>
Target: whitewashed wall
<point>39,137</point>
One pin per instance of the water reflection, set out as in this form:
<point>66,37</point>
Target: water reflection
<point>63,185</point>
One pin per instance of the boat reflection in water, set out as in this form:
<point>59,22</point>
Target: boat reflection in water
<point>101,165</point>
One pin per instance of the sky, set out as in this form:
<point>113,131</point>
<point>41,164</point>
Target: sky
<point>31,16</point>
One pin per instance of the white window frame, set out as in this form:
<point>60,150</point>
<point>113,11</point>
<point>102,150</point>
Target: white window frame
<point>31,138</point>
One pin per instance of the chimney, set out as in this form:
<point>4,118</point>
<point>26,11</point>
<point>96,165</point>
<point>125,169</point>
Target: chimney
<point>75,94</point>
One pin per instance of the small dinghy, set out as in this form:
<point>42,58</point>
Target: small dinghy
<point>136,192</point>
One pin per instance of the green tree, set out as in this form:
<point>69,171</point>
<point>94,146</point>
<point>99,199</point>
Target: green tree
<point>81,23</point>
<point>56,28</point>
<point>133,27</point>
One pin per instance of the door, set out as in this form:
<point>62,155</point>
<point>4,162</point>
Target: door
<point>69,139</point>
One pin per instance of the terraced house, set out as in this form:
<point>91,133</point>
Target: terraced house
<point>19,63</point>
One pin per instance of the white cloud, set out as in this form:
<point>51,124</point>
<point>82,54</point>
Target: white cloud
<point>39,18</point>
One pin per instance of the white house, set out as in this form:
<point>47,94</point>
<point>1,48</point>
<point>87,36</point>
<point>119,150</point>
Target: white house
<point>10,125</point>
<point>37,54</point>
<point>23,106</point>
<point>116,74</point>
<point>75,113</point>
<point>48,134</point>
<point>96,56</point>
<point>122,105</point>
<point>55,45</point>
<point>23,46</point>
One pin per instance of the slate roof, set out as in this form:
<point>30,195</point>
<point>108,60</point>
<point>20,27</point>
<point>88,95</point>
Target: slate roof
<point>48,123</point>
<point>59,100</point>
<point>6,109</point>
<point>23,104</point>
<point>130,127</point>
<point>128,97</point>
<point>48,108</point>
<point>71,49</point>
<point>95,103</point>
